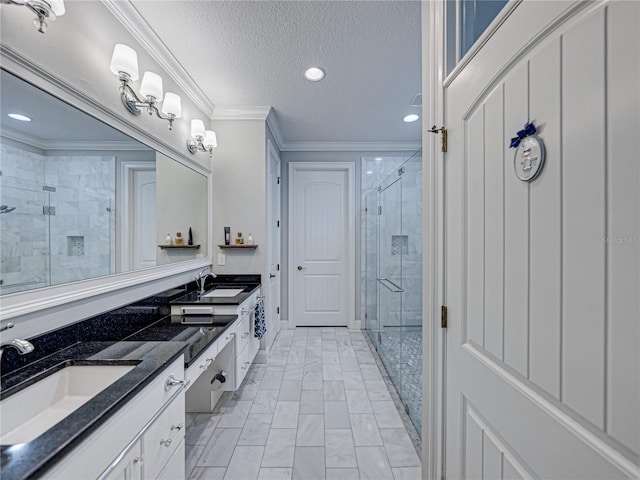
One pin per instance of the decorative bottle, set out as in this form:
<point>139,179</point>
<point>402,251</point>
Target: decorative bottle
<point>167,240</point>
<point>179,239</point>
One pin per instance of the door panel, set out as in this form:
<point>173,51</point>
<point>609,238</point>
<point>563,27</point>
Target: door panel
<point>320,224</point>
<point>534,344</point>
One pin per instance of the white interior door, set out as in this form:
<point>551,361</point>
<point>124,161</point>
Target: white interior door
<point>322,245</point>
<point>143,218</point>
<point>273,297</point>
<point>542,278</point>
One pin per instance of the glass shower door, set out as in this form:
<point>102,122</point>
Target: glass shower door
<point>390,249</point>
<point>372,323</point>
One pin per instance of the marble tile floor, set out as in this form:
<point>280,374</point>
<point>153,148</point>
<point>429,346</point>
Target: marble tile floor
<point>319,409</point>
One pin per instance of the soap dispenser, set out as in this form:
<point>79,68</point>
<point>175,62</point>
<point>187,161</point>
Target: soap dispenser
<point>168,240</point>
<point>250,240</point>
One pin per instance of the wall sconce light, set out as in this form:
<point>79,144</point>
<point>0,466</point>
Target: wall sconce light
<point>124,63</point>
<point>42,8</point>
<point>203,140</point>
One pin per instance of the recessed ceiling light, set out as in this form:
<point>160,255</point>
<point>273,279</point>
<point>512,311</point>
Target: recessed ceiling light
<point>411,118</point>
<point>378,159</point>
<point>17,116</point>
<point>314,74</point>
<point>369,172</point>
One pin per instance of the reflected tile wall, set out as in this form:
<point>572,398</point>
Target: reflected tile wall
<point>35,248</point>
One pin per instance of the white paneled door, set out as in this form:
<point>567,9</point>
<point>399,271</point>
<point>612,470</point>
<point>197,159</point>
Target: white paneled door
<point>542,277</point>
<point>321,245</point>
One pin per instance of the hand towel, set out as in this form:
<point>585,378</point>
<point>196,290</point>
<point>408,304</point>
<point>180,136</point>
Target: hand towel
<point>259,320</point>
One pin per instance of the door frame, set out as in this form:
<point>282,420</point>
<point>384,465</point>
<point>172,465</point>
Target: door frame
<point>349,168</point>
<point>271,154</point>
<point>124,246</point>
<point>433,217</point>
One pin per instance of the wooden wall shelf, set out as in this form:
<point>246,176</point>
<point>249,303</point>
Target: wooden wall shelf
<point>239,247</point>
<point>186,247</point>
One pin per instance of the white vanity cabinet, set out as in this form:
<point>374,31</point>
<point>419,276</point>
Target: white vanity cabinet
<point>245,343</point>
<point>235,351</point>
<point>140,440</point>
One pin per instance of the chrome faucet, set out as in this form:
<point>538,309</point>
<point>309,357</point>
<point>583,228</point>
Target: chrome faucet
<point>22,346</point>
<point>201,279</point>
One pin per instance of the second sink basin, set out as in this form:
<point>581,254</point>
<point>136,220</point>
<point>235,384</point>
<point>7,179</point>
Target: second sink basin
<point>223,293</point>
<point>29,413</point>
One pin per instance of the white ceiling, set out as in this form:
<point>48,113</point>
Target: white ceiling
<point>247,54</point>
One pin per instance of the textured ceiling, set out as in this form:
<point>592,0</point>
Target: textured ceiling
<point>244,54</point>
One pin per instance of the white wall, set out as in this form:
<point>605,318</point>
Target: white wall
<point>181,202</point>
<point>239,195</point>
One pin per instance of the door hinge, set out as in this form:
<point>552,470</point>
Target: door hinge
<point>379,209</point>
<point>278,267</point>
<point>278,223</point>
<point>443,136</point>
<point>278,310</point>
<point>48,210</point>
<point>48,188</point>
<point>278,180</point>
<point>400,171</point>
<point>443,317</point>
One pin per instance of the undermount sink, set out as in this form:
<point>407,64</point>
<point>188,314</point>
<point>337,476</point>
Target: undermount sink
<point>223,293</point>
<point>29,413</point>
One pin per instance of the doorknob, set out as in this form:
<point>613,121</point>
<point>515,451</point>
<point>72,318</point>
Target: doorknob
<point>300,267</point>
<point>271,275</point>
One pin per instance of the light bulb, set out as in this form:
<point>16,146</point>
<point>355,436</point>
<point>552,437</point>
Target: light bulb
<point>172,105</point>
<point>197,128</point>
<point>210,139</point>
<point>125,59</point>
<point>151,86</point>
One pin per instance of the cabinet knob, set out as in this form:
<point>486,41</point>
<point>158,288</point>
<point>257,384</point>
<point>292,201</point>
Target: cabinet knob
<point>177,427</point>
<point>166,442</point>
<point>138,460</point>
<point>300,267</point>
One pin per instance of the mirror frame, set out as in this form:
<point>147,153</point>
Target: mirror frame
<point>23,303</point>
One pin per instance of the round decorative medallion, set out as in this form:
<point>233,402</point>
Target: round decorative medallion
<point>529,158</point>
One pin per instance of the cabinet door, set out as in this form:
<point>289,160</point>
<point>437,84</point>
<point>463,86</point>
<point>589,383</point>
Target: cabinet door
<point>242,366</point>
<point>164,438</point>
<point>130,467</point>
<point>175,467</point>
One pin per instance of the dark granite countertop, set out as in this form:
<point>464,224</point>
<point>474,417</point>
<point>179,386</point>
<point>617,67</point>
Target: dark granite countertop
<point>141,334</point>
<point>30,460</point>
<point>198,335</point>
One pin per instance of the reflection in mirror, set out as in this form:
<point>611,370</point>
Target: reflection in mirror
<point>79,199</point>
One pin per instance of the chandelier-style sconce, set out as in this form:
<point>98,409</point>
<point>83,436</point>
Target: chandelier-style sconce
<point>203,140</point>
<point>44,9</point>
<point>124,63</point>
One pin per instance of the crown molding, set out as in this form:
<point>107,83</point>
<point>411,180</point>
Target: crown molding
<point>274,126</point>
<point>43,144</point>
<point>349,146</point>
<point>241,113</point>
<point>138,27</point>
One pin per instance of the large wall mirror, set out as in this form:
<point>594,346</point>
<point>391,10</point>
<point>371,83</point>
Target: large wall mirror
<point>80,199</point>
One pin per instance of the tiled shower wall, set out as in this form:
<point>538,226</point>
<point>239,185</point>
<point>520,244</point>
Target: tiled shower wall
<point>75,241</point>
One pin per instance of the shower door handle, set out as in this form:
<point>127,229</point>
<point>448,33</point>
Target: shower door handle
<point>396,289</point>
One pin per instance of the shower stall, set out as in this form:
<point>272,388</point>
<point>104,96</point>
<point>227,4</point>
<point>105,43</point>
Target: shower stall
<point>56,219</point>
<point>393,279</point>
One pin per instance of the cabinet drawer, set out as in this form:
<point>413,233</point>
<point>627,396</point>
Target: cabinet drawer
<point>242,334</point>
<point>163,437</point>
<point>243,362</point>
<point>202,363</point>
